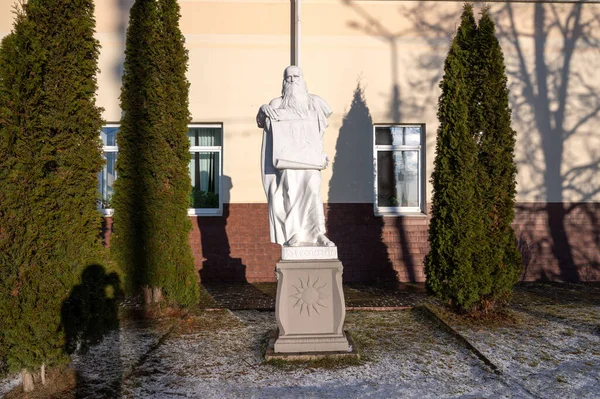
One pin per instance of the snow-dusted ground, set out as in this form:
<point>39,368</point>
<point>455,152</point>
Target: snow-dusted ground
<point>406,356</point>
<point>553,352</point>
<point>7,384</point>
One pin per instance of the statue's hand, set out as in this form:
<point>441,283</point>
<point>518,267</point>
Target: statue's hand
<point>270,112</point>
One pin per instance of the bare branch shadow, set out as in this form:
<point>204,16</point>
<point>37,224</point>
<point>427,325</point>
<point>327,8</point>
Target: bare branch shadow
<point>554,95</point>
<point>551,55</point>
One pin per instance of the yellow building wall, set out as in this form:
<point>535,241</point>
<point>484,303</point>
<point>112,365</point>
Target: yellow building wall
<point>238,50</point>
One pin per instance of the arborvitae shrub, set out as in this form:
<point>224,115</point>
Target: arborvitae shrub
<point>50,156</point>
<point>474,262</point>
<point>151,226</point>
<point>455,227</point>
<point>496,166</point>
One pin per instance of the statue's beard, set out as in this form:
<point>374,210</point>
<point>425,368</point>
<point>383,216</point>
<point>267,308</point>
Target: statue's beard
<point>295,97</point>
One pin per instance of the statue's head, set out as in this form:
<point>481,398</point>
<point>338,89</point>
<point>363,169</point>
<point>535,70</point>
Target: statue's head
<point>294,90</point>
<point>293,73</point>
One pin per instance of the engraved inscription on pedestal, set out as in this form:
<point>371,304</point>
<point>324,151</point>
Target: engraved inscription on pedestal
<point>305,253</point>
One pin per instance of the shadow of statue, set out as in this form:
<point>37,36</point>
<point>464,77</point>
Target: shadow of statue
<point>89,316</point>
<point>352,226</point>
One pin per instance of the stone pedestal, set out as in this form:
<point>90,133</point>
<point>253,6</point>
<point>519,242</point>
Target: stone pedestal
<point>310,307</point>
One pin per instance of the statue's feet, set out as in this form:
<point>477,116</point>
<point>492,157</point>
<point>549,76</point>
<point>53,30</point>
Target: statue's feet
<point>293,242</point>
<point>323,241</point>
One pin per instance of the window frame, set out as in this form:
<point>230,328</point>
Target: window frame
<point>109,212</point>
<point>105,149</point>
<point>418,211</point>
<point>214,149</point>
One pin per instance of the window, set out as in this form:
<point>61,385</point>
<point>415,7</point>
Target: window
<point>205,168</point>
<point>399,176</point>
<point>108,175</point>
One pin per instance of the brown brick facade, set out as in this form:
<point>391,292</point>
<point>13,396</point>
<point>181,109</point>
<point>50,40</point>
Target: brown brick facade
<point>236,247</point>
<point>559,241</point>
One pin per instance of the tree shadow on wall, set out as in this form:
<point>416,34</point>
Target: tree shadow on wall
<point>217,263</point>
<point>89,316</point>
<point>223,276</point>
<point>352,226</point>
<point>402,242</point>
<point>551,63</point>
<point>558,97</point>
<point>124,6</point>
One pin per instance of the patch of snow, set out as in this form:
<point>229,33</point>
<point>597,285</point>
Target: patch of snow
<point>9,383</point>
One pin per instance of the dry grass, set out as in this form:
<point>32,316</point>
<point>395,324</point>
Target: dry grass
<point>207,321</point>
<point>60,384</point>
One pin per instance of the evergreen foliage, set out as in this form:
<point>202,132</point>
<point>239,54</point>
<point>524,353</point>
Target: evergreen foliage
<point>453,230</point>
<point>50,156</point>
<point>473,262</point>
<point>496,166</point>
<point>151,226</point>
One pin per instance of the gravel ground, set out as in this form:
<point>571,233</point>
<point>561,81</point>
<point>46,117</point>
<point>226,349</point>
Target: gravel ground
<point>550,349</point>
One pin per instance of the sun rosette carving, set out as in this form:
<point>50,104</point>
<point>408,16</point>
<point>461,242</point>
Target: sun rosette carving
<point>308,295</point>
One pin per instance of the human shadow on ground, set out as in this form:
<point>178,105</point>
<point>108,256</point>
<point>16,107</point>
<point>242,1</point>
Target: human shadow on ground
<point>88,316</point>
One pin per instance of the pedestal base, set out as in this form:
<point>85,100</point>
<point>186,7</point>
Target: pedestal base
<point>310,307</point>
<point>347,356</point>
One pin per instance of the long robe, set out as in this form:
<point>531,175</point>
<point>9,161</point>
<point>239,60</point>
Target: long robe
<point>293,195</point>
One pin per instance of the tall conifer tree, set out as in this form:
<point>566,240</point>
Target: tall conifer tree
<point>151,227</point>
<point>484,276</point>
<point>496,165</point>
<point>49,160</point>
<point>455,228</point>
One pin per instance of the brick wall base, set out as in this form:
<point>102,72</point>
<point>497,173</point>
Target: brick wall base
<point>559,242</point>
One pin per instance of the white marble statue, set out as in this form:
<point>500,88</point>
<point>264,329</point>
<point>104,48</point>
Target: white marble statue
<point>292,158</point>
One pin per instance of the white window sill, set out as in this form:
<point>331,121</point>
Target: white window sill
<point>400,214</point>
<point>108,213</point>
<point>205,212</point>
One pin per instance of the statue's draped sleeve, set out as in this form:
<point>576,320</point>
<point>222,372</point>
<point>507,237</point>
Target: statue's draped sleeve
<point>323,112</point>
